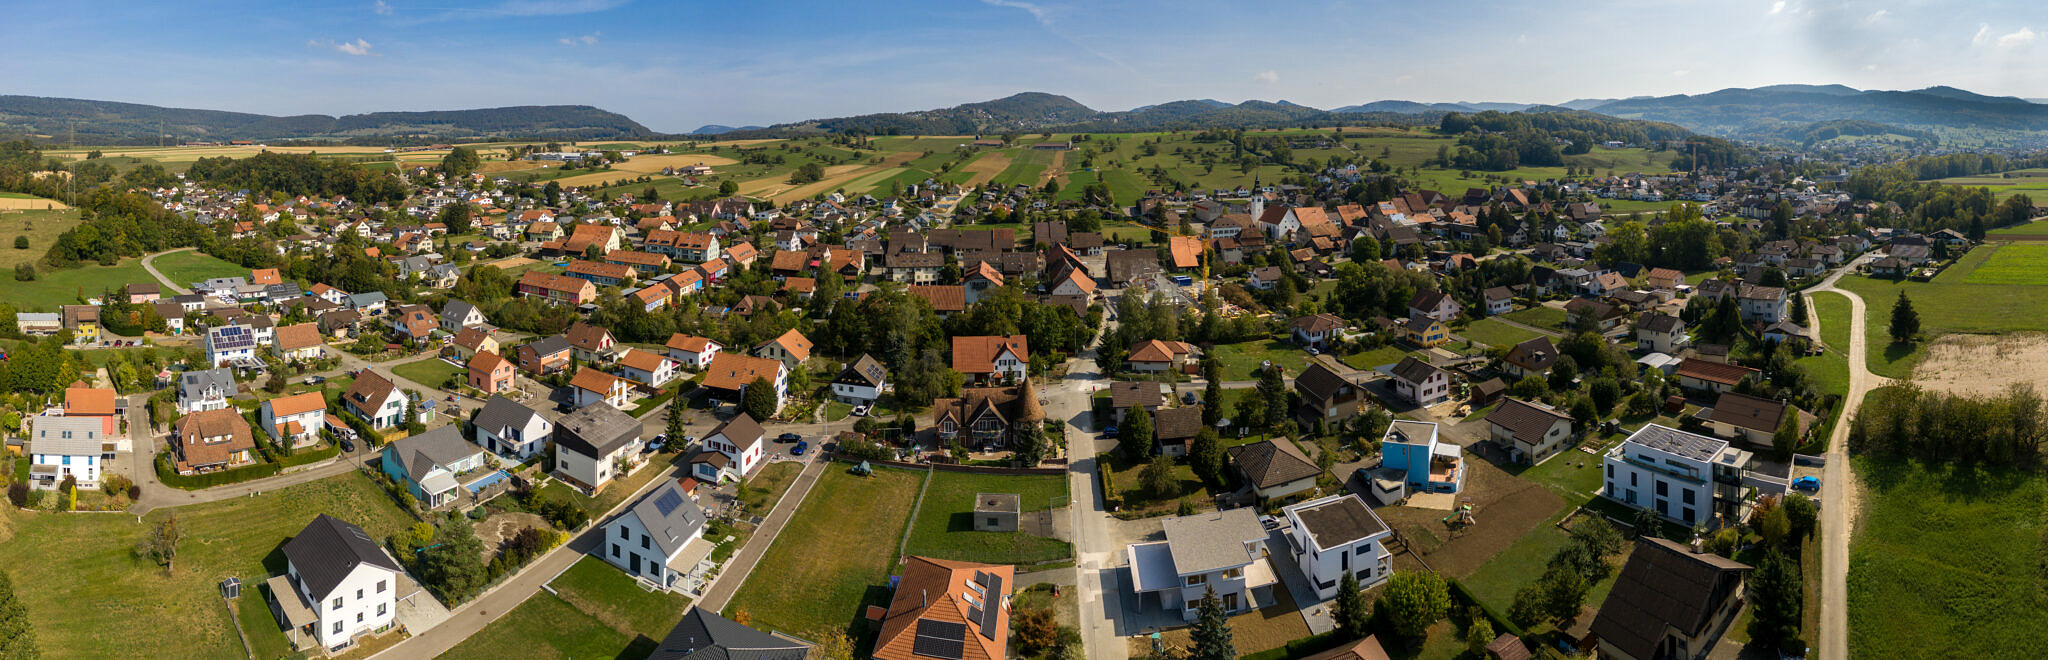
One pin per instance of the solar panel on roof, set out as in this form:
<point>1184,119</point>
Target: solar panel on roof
<point>668,502</point>
<point>987,620</point>
<point>946,640</point>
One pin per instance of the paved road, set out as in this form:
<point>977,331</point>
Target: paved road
<point>743,562</point>
<point>149,264</point>
<point>1838,483</point>
<point>1095,541</point>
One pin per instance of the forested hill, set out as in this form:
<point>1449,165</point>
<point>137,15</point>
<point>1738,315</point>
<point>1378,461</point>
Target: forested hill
<point>109,122</point>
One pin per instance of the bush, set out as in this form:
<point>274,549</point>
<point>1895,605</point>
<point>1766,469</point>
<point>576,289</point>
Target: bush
<point>170,477</point>
<point>17,493</point>
<point>114,485</point>
<point>1111,497</point>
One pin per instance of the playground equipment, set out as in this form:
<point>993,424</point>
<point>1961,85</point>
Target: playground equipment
<point>1460,518</point>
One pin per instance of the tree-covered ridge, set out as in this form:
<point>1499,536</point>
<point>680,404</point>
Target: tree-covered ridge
<point>109,122</point>
<point>299,174</point>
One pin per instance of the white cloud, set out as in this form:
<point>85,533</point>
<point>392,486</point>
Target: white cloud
<point>1877,15</point>
<point>357,48</point>
<point>553,7</point>
<point>585,40</point>
<point>2015,39</point>
<point>1268,76</point>
<point>1777,7</point>
<point>381,8</point>
<point>1681,73</point>
<point>1038,12</point>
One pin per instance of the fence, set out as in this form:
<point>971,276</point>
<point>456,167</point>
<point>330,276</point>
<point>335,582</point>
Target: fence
<point>946,467</point>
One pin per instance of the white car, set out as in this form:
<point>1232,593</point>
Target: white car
<point>860,411</point>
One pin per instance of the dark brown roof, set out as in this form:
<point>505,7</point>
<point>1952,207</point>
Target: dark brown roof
<point>943,298</point>
<point>1745,411</point>
<point>1320,381</point>
<point>1176,425</point>
<point>1528,422</point>
<point>1415,371</point>
<point>1713,372</point>
<point>1316,323</point>
<point>1124,394</point>
<point>1534,355</point>
<point>1664,584</point>
<point>1273,462</point>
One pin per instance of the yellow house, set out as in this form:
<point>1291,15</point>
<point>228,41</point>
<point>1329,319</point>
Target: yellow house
<point>471,341</point>
<point>84,323</point>
<point>1425,332</point>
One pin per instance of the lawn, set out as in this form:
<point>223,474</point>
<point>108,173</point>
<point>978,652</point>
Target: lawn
<point>1946,562</point>
<point>1573,475</point>
<point>1946,306</point>
<point>431,372</point>
<point>69,286</point>
<point>1376,358</point>
<point>1241,360</point>
<point>1548,318</point>
<point>547,627</point>
<point>1833,310</point>
<point>184,268</point>
<point>2012,263</point>
<point>41,228</point>
<point>1523,562</point>
<point>835,556</point>
<point>88,579</point>
<point>1495,333</point>
<point>945,520</point>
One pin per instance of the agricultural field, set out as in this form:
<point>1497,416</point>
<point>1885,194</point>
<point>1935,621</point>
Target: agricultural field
<point>2012,263</point>
<point>595,611</point>
<point>13,201</point>
<point>2032,182</point>
<point>1945,561</point>
<point>1497,334</point>
<point>41,228</point>
<point>1949,304</point>
<point>835,556</point>
<point>1540,316</point>
<point>184,268</point>
<point>70,286</point>
<point>945,521</point>
<point>84,558</point>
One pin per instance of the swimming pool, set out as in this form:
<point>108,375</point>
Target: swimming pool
<point>487,480</point>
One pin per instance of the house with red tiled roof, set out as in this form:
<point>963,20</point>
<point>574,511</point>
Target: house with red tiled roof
<point>692,351</point>
<point>961,607</point>
<point>593,386</point>
<point>992,359</point>
<point>1155,355</point>
<point>792,349</point>
<point>557,288</point>
<point>490,373</point>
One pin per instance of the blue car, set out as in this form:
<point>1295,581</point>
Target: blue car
<point>798,450</point>
<point>1109,431</point>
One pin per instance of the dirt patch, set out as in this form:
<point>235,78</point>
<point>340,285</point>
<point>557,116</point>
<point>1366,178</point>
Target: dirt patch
<point>514,262</point>
<point>654,163</point>
<point>985,168</point>
<point>490,166</point>
<point>1506,508</point>
<point>1983,364</point>
<point>1058,169</point>
<point>778,189</point>
<point>496,530</point>
<point>29,204</point>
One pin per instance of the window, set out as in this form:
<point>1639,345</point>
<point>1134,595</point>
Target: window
<point>337,627</point>
<point>359,617</point>
<point>1610,474</point>
<point>380,586</point>
<point>615,551</point>
<point>1632,478</point>
<point>646,542</point>
<point>1685,496</point>
<point>359,594</point>
<point>625,533</point>
<point>1197,579</point>
<point>337,602</point>
<point>1663,488</point>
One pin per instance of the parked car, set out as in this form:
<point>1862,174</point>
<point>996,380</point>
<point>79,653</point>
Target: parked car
<point>346,445</point>
<point>1109,431</point>
<point>653,446</point>
<point>788,437</point>
<point>1189,398</point>
<point>860,411</point>
<point>798,450</point>
<point>315,380</point>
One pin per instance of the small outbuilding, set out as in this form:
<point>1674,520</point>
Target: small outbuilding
<point>996,512</point>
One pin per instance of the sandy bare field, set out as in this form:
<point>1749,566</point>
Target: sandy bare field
<point>513,262</point>
<point>645,165</point>
<point>1984,364</point>
<point>986,167</point>
<point>29,204</point>
<point>1058,169</point>
<point>777,188</point>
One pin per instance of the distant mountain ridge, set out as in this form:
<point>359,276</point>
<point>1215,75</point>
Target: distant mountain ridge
<point>111,122</point>
<point>1738,112</point>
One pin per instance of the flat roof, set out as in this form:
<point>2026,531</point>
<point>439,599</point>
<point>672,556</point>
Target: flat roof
<point>1152,567</point>
<point>1337,520</point>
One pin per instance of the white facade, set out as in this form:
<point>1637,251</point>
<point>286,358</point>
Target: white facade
<point>859,395</point>
<point>1671,472</point>
<point>1326,551</point>
<point>310,423</point>
<point>695,359</point>
<point>366,601</point>
<point>517,441</point>
<point>744,453</point>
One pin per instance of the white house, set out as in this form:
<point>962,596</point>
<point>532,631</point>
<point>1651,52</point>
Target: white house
<point>230,345</point>
<point>205,389</point>
<point>1220,550</point>
<point>1660,333</point>
<point>861,382</point>
<point>593,386</point>
<point>647,367</point>
<point>459,314</point>
<point>511,429</point>
<point>731,452</point>
<point>1679,475</point>
<point>647,540</point>
<point>373,398</point>
<point>66,447</point>
<point>1531,432</point>
<point>593,443</point>
<point>1436,305</point>
<point>341,579</point>
<point>1499,300</point>
<point>298,417</point>
<point>1421,382</point>
<point>1336,535</point>
<point>692,352</point>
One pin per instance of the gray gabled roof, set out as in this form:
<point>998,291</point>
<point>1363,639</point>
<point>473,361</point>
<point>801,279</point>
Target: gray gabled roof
<point>669,516</point>
<point>1214,541</point>
<point>68,436</point>
<point>441,446</point>
<point>704,635</point>
<point>193,384</point>
<point>328,549</point>
<point>456,309</point>
<point>596,430</point>
<point>500,413</point>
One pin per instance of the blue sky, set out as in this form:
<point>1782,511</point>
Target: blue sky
<point>675,65</point>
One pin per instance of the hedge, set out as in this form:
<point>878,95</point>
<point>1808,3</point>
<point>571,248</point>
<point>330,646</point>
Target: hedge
<point>362,427</point>
<point>306,457</point>
<point>1500,622</point>
<point>1111,498</point>
<point>1304,647</point>
<point>170,477</point>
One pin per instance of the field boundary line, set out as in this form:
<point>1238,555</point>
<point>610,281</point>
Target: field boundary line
<point>904,547</point>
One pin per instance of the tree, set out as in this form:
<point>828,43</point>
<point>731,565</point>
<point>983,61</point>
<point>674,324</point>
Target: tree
<point>1775,526</point>
<point>1157,479</point>
<point>1413,600</point>
<point>1136,434</point>
<point>1034,629</point>
<point>1527,609</point>
<point>1029,443</point>
<point>1274,390</point>
<point>829,644</point>
<point>1211,633</point>
<point>758,401</point>
<point>1905,321</point>
<point>675,427</point>
<point>1205,456</point>
<point>1478,636</point>
<point>1583,414</point>
<point>454,567</point>
<point>162,542</point>
<point>728,187</point>
<point>17,637</point>
<point>460,161</point>
<point>457,217</point>
<point>1349,610</point>
<point>1801,513</point>
<point>1786,438</point>
<point>1775,597</point>
<point>21,242</point>
<point>1212,393</point>
<point>1564,592</point>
